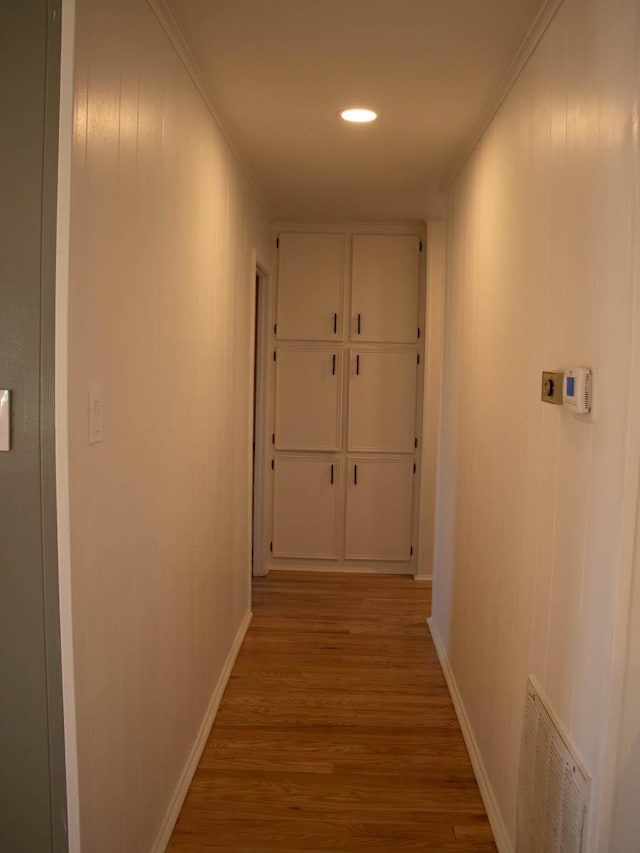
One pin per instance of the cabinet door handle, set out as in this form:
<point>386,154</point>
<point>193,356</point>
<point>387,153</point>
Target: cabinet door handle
<point>335,323</point>
<point>357,365</point>
<point>333,369</point>
<point>355,475</point>
<point>359,322</point>
<point>332,474</point>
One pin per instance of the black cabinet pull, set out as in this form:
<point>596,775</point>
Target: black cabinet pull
<point>335,324</point>
<point>359,318</point>
<point>357,365</point>
<point>355,475</point>
<point>332,474</point>
<point>333,369</point>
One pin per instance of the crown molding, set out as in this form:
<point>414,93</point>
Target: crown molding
<point>526,50</point>
<point>168,23</point>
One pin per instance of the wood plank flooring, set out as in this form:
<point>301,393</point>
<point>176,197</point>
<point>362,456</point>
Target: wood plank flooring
<point>336,731</point>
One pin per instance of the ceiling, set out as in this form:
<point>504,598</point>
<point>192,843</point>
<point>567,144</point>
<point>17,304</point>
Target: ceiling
<point>278,72</point>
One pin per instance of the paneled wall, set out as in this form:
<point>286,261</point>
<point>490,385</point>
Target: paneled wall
<point>625,822</point>
<point>541,235</point>
<point>163,222</point>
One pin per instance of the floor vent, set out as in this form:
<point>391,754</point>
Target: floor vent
<point>553,791</point>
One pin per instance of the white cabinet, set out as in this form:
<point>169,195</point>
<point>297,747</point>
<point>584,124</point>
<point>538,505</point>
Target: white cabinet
<point>384,301</point>
<point>310,287</point>
<point>382,401</point>
<point>379,509</point>
<point>344,398</point>
<point>305,520</point>
<point>308,398</point>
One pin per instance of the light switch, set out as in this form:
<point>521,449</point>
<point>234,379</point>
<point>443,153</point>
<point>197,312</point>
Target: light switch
<point>95,417</point>
<point>5,420</point>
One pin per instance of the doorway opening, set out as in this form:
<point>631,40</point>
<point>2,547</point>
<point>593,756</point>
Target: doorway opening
<point>259,449</point>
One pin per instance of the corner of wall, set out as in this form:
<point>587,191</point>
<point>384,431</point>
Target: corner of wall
<point>433,323</point>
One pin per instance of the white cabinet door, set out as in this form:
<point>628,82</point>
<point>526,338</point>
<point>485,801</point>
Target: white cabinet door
<point>382,401</point>
<point>384,302</point>
<point>310,287</point>
<point>305,507</point>
<point>308,398</point>
<point>379,503</point>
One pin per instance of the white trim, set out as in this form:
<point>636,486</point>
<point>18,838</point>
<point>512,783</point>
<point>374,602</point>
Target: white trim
<point>538,28</point>
<point>191,765</point>
<point>177,40</point>
<point>490,803</point>
<point>253,293</point>
<point>367,569</point>
<point>65,143</point>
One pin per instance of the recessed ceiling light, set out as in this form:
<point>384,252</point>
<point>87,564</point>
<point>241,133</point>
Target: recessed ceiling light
<point>358,115</point>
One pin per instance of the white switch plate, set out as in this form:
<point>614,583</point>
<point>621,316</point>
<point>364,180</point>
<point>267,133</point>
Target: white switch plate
<point>95,417</point>
<point>5,420</point>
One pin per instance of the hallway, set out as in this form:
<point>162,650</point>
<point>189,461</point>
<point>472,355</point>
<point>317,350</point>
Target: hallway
<point>336,730</point>
<point>422,277</point>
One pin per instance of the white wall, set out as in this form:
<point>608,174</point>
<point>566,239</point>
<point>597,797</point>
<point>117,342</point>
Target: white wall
<point>163,221</point>
<point>625,823</point>
<point>530,510</point>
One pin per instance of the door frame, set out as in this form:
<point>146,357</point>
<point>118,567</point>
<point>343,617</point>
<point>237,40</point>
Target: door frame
<point>261,313</point>
<point>65,145</point>
<point>48,435</point>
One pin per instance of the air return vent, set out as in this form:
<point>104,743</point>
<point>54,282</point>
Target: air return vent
<point>553,791</point>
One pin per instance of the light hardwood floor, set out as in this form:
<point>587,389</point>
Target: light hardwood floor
<point>336,731</point>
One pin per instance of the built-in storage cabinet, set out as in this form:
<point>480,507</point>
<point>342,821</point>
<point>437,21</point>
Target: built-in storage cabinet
<point>310,287</point>
<point>308,398</point>
<point>382,401</point>
<point>384,296</point>
<point>379,509</point>
<point>305,518</point>
<point>345,380</point>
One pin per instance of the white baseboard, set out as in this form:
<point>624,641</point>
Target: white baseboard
<point>182,787</point>
<point>500,833</point>
<point>343,570</point>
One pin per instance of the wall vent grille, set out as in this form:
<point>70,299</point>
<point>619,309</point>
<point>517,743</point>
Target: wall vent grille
<point>553,792</point>
<point>587,391</point>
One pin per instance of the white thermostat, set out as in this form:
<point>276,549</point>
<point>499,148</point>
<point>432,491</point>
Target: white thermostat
<point>577,390</point>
